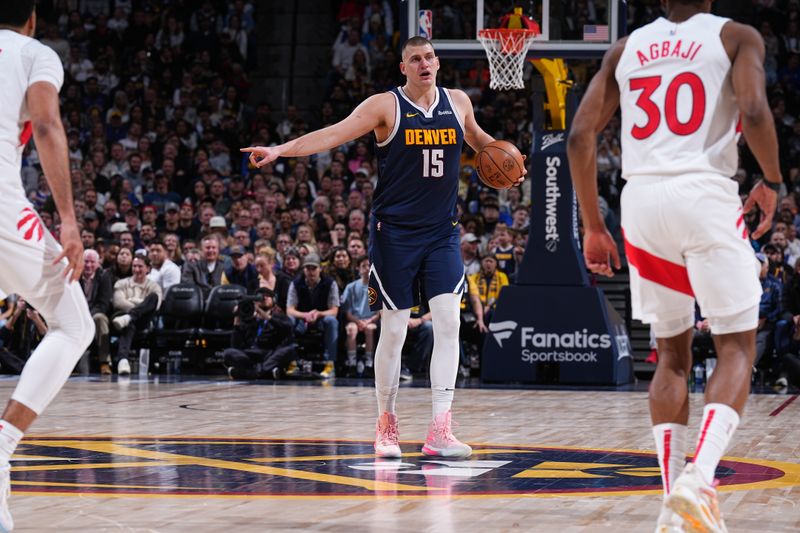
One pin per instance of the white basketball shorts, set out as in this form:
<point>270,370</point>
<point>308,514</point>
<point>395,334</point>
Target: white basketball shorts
<point>686,240</point>
<point>27,252</point>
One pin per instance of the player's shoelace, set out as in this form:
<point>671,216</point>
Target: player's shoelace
<point>387,434</point>
<point>442,432</point>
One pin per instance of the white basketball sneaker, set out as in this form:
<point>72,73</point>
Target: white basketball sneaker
<point>695,501</point>
<point>441,442</point>
<point>668,521</point>
<point>6,522</point>
<point>387,437</point>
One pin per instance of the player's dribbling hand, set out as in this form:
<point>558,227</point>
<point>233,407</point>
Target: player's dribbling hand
<point>261,155</point>
<point>524,173</point>
<point>72,251</point>
<point>766,199</point>
<point>600,252</point>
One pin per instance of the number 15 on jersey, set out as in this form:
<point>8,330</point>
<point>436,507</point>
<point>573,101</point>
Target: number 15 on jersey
<point>432,163</point>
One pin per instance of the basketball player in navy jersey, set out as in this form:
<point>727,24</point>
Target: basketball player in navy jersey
<point>414,235</point>
<point>687,84</point>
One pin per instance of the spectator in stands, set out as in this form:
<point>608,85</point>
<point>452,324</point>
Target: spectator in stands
<point>172,245</point>
<point>490,209</point>
<point>341,268</point>
<point>504,251</point>
<point>241,272</point>
<point>219,226</point>
<point>122,267</point>
<point>97,288</point>
<point>360,319</point>
<point>22,332</point>
<point>469,253</point>
<point>207,272</point>
<point>269,278</point>
<point>161,195</point>
<point>262,344</point>
<point>291,263</point>
<point>769,309</point>
<point>489,282</point>
<point>162,270</point>
<point>343,54</point>
<point>188,225</point>
<point>136,300</point>
<point>355,246</point>
<point>313,302</point>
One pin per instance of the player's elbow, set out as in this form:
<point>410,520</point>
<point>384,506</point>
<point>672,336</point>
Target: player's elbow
<point>754,110</point>
<point>580,138</point>
<point>47,128</point>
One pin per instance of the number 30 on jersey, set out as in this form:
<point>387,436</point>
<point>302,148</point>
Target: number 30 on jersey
<point>648,85</point>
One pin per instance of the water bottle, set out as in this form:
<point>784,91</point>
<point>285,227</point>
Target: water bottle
<point>699,374</point>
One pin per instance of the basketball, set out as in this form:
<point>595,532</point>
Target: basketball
<point>500,164</point>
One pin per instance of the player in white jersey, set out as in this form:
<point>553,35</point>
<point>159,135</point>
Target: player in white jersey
<point>683,83</point>
<point>34,265</point>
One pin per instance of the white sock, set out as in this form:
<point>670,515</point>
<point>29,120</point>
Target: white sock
<point>351,358</point>
<point>368,358</point>
<point>10,436</point>
<point>442,400</point>
<point>716,430</point>
<point>444,359</point>
<point>394,325</point>
<point>671,443</point>
<point>387,396</point>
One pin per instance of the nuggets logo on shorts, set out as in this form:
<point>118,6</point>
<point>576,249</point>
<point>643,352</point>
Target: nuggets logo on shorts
<point>372,296</point>
<point>29,225</point>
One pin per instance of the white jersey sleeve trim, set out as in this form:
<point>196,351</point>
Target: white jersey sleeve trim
<point>396,123</point>
<point>459,118</point>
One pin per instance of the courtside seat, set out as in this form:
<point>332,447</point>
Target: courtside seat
<point>180,316</point>
<point>217,325</point>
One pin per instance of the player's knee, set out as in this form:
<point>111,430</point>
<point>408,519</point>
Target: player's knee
<point>394,332</point>
<point>85,331</point>
<point>447,323</point>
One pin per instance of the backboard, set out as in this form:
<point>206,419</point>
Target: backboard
<point>565,32</point>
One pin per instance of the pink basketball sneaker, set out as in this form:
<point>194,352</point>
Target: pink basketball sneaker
<point>441,442</point>
<point>387,437</point>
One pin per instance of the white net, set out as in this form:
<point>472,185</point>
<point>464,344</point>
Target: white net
<point>506,50</point>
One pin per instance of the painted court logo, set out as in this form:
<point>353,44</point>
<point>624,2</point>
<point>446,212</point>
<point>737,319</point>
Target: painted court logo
<point>262,468</point>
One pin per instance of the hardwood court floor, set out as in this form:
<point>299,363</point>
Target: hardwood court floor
<point>207,456</point>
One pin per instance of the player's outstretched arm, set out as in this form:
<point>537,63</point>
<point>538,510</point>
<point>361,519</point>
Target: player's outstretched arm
<point>372,113</point>
<point>51,143</point>
<point>597,107</point>
<point>758,126</point>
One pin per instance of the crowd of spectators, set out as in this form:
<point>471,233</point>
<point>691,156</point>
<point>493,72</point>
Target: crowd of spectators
<point>156,104</point>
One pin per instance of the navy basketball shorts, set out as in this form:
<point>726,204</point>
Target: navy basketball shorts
<point>408,263</point>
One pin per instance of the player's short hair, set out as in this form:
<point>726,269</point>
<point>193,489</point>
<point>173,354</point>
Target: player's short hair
<point>16,13</point>
<point>415,41</point>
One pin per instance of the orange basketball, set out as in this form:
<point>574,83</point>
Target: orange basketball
<point>500,164</point>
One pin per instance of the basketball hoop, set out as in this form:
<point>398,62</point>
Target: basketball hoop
<point>506,49</point>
